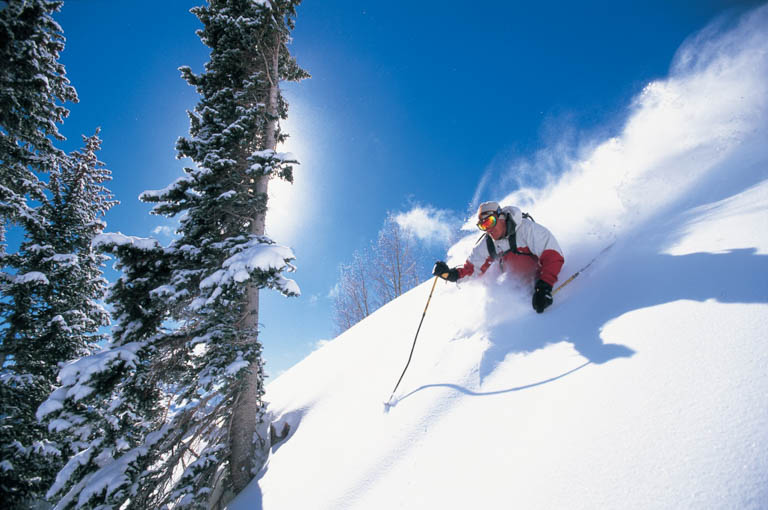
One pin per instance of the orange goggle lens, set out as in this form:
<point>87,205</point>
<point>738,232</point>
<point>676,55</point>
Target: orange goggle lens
<point>487,223</point>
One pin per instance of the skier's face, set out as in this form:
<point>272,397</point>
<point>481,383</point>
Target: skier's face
<point>493,224</point>
<point>498,230</point>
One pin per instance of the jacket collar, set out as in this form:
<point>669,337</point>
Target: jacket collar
<point>515,214</point>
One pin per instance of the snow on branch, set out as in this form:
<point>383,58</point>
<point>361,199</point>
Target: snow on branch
<point>76,376</point>
<point>268,161</point>
<point>258,255</point>
<point>35,277</point>
<point>108,479</point>
<point>110,241</point>
<point>157,195</point>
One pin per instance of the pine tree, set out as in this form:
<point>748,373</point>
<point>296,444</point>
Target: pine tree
<point>33,87</point>
<point>186,315</point>
<point>74,214</point>
<point>52,314</point>
<point>110,403</point>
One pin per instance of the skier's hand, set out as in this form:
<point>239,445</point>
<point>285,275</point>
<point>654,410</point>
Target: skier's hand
<point>442,270</point>
<point>542,296</point>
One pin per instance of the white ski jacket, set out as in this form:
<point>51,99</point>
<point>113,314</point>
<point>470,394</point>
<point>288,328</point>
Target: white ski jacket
<point>536,252</point>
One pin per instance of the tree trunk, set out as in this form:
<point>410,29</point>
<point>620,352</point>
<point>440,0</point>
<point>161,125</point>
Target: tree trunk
<point>249,441</point>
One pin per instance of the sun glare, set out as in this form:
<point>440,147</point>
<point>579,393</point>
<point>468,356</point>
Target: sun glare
<point>290,203</point>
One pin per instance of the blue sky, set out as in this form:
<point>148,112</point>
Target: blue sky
<point>410,104</point>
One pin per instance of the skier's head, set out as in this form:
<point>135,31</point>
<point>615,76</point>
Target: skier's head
<point>490,219</point>
<point>488,208</point>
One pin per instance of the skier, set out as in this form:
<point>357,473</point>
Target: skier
<point>521,246</point>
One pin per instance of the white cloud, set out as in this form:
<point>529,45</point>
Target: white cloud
<point>334,292</point>
<point>428,224</point>
<point>164,230</point>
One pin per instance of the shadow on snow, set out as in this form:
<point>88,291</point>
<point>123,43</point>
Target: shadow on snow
<point>632,280</point>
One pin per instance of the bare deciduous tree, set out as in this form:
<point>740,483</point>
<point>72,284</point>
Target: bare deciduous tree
<point>375,276</point>
<point>395,262</point>
<point>352,300</point>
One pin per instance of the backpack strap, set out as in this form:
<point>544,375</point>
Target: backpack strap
<point>511,238</point>
<point>491,246</point>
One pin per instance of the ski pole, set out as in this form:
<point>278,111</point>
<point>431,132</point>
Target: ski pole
<point>414,341</point>
<point>569,280</point>
<point>577,273</point>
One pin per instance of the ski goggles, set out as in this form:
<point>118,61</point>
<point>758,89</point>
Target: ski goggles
<point>487,223</point>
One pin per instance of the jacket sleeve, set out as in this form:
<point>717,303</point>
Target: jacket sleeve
<point>551,262</point>
<point>479,258</point>
<point>540,241</point>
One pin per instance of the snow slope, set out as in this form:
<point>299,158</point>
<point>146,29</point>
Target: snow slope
<point>643,386</point>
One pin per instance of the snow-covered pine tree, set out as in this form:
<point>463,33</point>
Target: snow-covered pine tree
<point>185,341</point>
<point>110,403</point>
<point>235,132</point>
<point>33,88</point>
<point>33,85</point>
<point>51,313</point>
<point>74,215</point>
